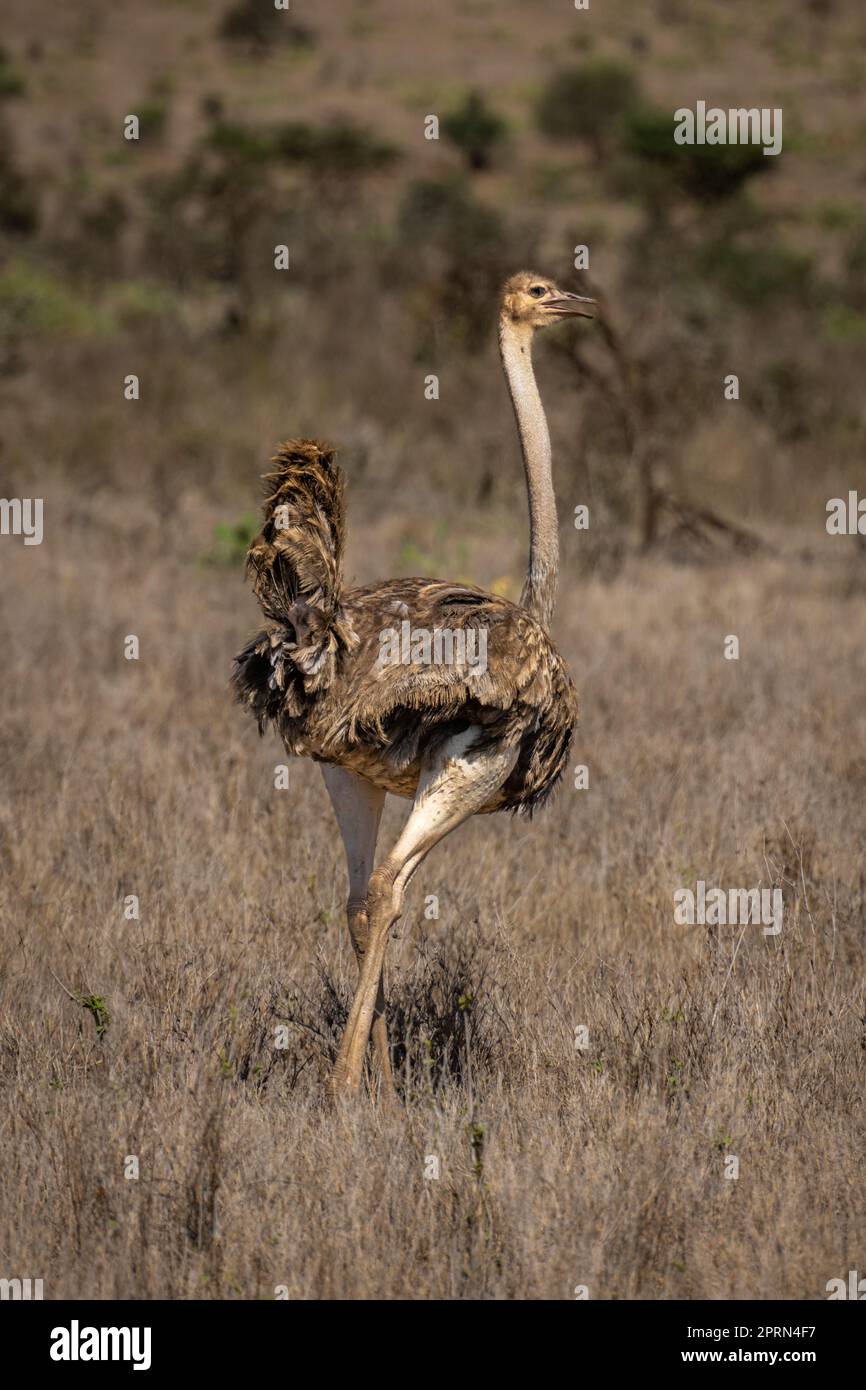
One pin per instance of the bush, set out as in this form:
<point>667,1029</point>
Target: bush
<point>757,273</point>
<point>196,218</point>
<point>587,103</point>
<point>105,218</point>
<point>240,143</point>
<point>19,209</point>
<point>855,267</point>
<point>35,302</point>
<point>455,253</point>
<point>475,129</point>
<point>231,541</point>
<point>708,173</point>
<point>341,147</point>
<point>842,324</point>
<point>260,26</point>
<point>446,213</point>
<point>782,395</point>
<point>152,117</point>
<point>12,84</point>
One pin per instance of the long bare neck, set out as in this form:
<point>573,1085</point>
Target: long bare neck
<point>539,588</point>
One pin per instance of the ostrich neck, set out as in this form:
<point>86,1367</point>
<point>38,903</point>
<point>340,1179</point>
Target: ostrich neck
<point>539,587</point>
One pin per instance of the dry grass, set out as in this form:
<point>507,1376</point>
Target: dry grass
<point>558,1167</point>
<point>156,1037</point>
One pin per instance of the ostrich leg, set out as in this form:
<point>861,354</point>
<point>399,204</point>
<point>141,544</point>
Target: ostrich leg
<point>451,790</point>
<point>358,807</point>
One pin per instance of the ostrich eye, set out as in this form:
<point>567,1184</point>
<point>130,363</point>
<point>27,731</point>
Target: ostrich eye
<point>537,291</point>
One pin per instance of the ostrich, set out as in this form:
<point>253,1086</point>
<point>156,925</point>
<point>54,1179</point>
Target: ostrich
<point>431,722</point>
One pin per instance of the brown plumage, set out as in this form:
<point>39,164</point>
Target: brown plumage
<point>315,672</point>
<point>348,677</point>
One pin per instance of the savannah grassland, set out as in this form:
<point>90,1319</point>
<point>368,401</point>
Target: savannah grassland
<point>155,1037</point>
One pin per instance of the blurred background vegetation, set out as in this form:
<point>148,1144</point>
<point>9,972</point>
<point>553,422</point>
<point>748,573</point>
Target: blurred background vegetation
<point>305,128</point>
<point>155,258</point>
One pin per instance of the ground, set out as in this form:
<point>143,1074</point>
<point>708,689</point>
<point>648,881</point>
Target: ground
<point>577,1070</point>
<point>557,1165</point>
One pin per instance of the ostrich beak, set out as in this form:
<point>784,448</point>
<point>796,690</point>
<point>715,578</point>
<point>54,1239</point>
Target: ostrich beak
<point>567,304</point>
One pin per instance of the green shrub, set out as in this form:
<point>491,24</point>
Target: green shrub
<point>12,83</point>
<point>475,129</point>
<point>445,211</point>
<point>704,172</point>
<point>259,25</point>
<point>140,301</point>
<point>105,217</point>
<point>855,266</point>
<point>757,273</point>
<point>783,395</point>
<point>454,252</point>
<point>339,147</point>
<point>587,103</point>
<point>19,208</point>
<point>842,324</point>
<point>232,540</point>
<point>33,302</point>
<point>152,118</point>
<point>240,143</point>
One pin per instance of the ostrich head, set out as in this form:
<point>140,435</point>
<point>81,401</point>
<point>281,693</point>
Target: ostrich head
<point>533,301</point>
